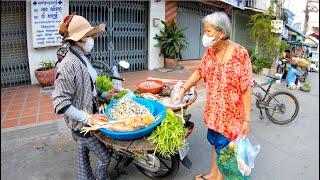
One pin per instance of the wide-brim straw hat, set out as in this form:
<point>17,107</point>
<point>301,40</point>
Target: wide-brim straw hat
<point>79,27</point>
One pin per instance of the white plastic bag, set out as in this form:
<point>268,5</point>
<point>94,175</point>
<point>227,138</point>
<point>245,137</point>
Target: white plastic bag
<point>117,83</point>
<point>246,154</point>
<point>176,88</point>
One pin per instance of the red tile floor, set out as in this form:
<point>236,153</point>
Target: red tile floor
<point>24,105</point>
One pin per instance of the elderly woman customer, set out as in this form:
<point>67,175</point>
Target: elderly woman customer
<point>75,91</point>
<point>227,72</point>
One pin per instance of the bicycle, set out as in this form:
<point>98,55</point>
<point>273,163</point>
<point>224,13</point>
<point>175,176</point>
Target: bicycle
<point>273,104</point>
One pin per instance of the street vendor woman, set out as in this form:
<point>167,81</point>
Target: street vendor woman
<point>227,72</point>
<point>74,92</point>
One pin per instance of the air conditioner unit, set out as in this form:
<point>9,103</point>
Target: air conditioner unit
<point>277,26</point>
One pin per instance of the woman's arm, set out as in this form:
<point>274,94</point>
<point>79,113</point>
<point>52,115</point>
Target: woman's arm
<point>246,83</point>
<point>193,79</point>
<point>246,99</point>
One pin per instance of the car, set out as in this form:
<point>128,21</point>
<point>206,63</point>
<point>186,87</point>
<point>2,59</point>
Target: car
<point>313,67</point>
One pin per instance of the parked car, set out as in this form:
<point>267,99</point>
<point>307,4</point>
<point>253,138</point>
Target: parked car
<point>314,62</point>
<point>314,66</point>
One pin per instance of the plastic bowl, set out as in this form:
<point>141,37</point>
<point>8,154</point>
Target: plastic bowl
<point>154,90</point>
<point>159,110</point>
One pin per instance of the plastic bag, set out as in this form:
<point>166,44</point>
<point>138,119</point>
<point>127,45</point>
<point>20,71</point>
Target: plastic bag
<point>187,96</point>
<point>228,166</point>
<point>117,83</point>
<point>176,88</point>
<point>246,154</point>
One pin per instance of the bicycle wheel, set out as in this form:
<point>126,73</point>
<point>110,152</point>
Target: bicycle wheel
<point>282,107</point>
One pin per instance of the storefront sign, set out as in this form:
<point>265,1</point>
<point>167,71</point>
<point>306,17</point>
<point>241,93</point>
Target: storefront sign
<point>46,15</point>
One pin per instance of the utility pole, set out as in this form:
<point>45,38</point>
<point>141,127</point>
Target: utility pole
<point>310,7</point>
<point>279,15</point>
<point>279,8</point>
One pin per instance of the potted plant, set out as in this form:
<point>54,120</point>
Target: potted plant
<point>46,73</point>
<point>171,42</point>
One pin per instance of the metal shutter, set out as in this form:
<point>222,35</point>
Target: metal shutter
<point>14,52</point>
<point>126,36</point>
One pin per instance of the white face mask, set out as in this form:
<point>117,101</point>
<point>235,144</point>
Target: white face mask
<point>88,44</point>
<point>207,41</point>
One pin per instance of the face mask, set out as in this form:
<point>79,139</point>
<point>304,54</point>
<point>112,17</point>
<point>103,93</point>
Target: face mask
<point>88,44</point>
<point>207,41</point>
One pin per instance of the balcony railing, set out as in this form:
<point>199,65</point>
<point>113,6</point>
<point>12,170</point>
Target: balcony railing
<point>258,4</point>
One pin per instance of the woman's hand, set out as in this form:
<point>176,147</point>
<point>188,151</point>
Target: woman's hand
<point>98,118</point>
<point>245,129</point>
<point>179,96</point>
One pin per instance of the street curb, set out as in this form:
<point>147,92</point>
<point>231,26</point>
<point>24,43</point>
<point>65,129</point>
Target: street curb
<point>18,136</point>
<point>28,126</point>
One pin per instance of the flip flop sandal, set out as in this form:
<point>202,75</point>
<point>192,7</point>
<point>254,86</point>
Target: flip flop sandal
<point>202,177</point>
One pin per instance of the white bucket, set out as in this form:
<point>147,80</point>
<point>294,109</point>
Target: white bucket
<point>278,76</point>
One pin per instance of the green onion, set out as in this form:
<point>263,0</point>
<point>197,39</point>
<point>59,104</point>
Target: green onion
<point>169,137</point>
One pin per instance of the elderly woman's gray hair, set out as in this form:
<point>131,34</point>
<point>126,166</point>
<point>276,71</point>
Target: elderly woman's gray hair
<point>220,21</point>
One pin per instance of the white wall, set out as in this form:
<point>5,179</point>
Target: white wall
<point>156,10</point>
<point>37,55</point>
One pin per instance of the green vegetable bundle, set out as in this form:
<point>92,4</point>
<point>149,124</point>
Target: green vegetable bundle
<point>169,136</point>
<point>104,83</point>
<point>228,166</point>
<point>121,94</point>
<point>306,85</point>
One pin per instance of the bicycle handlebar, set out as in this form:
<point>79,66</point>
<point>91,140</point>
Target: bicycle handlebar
<point>274,78</point>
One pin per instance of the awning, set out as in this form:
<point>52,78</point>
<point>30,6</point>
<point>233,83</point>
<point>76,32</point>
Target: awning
<point>300,43</point>
<point>234,3</point>
<point>290,28</point>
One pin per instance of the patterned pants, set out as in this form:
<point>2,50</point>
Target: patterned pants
<point>99,150</point>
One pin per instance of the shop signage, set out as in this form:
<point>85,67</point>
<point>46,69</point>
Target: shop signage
<point>46,15</point>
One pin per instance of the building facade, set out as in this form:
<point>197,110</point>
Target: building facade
<point>129,34</point>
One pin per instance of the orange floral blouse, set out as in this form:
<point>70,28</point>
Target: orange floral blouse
<point>225,83</point>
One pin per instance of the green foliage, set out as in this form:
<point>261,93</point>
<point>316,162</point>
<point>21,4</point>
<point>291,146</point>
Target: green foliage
<point>260,27</point>
<point>259,62</point>
<point>46,65</point>
<point>256,69</point>
<point>171,41</point>
<point>282,47</point>
<point>250,52</point>
<point>104,83</point>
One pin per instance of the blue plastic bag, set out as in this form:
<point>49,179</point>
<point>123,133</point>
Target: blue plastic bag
<point>246,154</point>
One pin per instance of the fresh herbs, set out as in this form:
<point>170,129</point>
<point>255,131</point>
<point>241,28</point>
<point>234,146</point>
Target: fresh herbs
<point>226,154</point>
<point>121,94</point>
<point>104,83</point>
<point>170,135</point>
